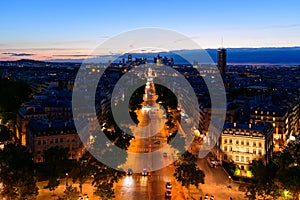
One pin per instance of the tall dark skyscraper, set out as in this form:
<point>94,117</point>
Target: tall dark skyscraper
<point>222,60</point>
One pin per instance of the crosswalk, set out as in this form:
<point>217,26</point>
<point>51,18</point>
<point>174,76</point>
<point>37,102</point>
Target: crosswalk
<point>152,177</point>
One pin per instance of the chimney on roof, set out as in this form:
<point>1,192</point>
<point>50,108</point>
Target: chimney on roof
<point>234,124</point>
<point>250,126</point>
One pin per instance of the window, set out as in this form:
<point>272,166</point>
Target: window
<point>242,158</point>
<point>247,150</point>
<point>237,158</point>
<point>225,148</point>
<point>44,141</point>
<point>61,140</point>
<point>242,142</point>
<point>225,141</point>
<point>254,151</point>
<point>237,142</point>
<point>259,152</point>
<point>230,148</point>
<point>230,141</point>
<point>225,157</point>
<point>39,142</point>
<point>51,141</point>
<point>56,140</point>
<point>273,119</point>
<point>254,144</point>
<point>259,144</point>
<point>247,159</point>
<point>247,143</point>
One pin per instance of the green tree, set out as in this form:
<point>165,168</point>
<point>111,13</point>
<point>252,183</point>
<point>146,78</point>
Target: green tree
<point>288,163</point>
<point>263,181</point>
<point>186,171</point>
<point>71,193</point>
<point>5,134</point>
<point>17,173</point>
<point>55,162</point>
<point>53,183</point>
<point>13,94</point>
<point>104,178</point>
<point>82,172</point>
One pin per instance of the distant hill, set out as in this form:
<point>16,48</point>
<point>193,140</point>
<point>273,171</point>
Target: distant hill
<point>267,55</point>
<point>280,55</point>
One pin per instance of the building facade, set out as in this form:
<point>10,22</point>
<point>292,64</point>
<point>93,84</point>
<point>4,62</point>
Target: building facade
<point>242,143</point>
<point>222,61</point>
<point>42,135</point>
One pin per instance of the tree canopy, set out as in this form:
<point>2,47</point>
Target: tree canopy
<point>17,173</point>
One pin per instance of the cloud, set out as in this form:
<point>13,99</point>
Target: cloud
<point>71,55</point>
<point>18,54</point>
<point>281,26</point>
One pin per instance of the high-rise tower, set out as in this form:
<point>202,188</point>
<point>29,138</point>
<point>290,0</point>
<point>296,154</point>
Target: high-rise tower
<point>222,62</point>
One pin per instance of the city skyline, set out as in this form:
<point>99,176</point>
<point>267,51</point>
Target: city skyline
<point>70,30</point>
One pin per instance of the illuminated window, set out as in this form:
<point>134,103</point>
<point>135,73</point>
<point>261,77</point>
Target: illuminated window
<point>242,158</point>
<point>225,148</point>
<point>237,158</point>
<point>256,112</point>
<point>274,119</point>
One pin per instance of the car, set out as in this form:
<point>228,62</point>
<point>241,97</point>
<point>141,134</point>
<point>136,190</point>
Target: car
<point>169,185</point>
<point>86,197</point>
<point>168,194</point>
<point>129,171</point>
<point>206,197</point>
<point>165,154</point>
<point>212,197</point>
<point>144,172</point>
<point>80,198</point>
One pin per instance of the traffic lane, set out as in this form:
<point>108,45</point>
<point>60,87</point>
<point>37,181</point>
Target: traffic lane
<point>132,187</point>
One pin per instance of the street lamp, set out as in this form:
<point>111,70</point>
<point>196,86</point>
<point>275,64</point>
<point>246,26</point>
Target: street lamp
<point>67,179</point>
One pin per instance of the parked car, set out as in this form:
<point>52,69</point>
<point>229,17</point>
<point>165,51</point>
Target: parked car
<point>169,185</point>
<point>212,197</point>
<point>168,194</point>
<point>206,197</point>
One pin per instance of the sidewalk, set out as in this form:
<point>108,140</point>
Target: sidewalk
<point>59,191</point>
